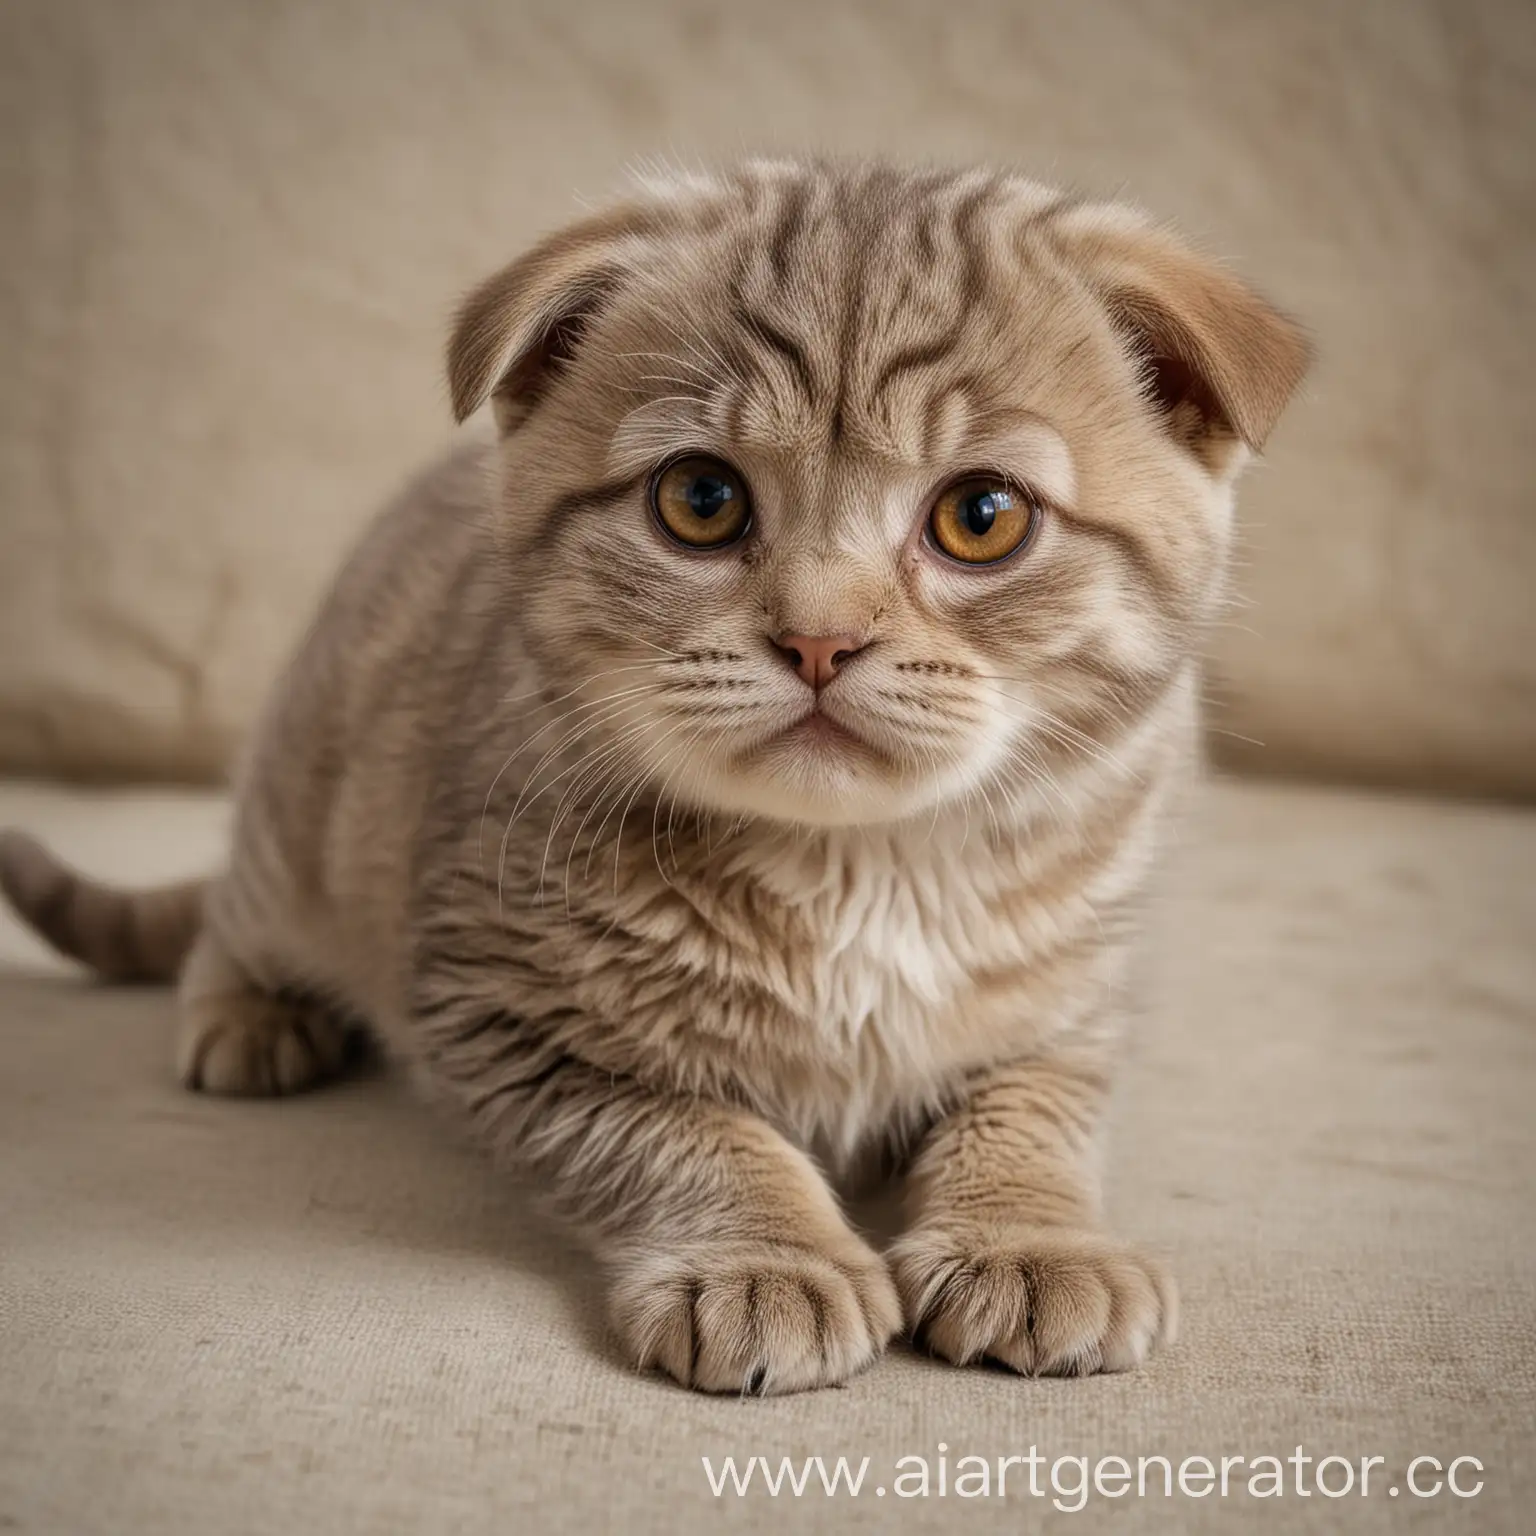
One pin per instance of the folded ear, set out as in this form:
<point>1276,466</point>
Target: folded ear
<point>1221,361</point>
<point>519,325</point>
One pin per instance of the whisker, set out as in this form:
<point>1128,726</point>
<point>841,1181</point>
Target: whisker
<point>586,682</point>
<point>519,806</point>
<point>596,716</point>
<point>1066,735</point>
<point>607,767</point>
<point>517,751</point>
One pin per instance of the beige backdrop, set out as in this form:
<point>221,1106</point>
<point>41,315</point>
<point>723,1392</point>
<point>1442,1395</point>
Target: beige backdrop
<point>230,233</point>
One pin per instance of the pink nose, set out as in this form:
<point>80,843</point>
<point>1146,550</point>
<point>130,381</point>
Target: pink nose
<point>817,657</point>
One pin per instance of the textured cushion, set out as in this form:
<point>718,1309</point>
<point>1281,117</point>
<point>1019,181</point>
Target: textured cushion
<point>230,235</point>
<point>326,1314</point>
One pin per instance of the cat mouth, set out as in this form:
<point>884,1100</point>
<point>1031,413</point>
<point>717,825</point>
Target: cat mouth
<point>822,730</point>
<point>816,728</point>
<point>815,741</point>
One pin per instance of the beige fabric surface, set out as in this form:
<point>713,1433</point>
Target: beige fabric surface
<point>231,230</point>
<point>327,1315</point>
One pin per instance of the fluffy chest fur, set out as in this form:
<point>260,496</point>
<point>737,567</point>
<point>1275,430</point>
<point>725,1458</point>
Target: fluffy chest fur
<point>842,984</point>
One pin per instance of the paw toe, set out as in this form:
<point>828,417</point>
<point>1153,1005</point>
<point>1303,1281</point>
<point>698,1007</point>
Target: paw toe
<point>1039,1301</point>
<point>259,1046</point>
<point>768,1320</point>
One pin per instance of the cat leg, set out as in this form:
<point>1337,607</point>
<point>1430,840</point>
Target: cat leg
<point>730,1265</point>
<point>239,1036</point>
<point>1003,1259</point>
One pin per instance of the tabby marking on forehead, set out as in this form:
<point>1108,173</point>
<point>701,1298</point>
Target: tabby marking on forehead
<point>840,318</point>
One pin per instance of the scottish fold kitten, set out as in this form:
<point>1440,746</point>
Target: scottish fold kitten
<point>750,762</point>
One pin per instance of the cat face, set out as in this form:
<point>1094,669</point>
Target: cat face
<point>837,495</point>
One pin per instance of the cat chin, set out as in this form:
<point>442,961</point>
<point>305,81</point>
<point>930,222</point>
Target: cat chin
<point>827,779</point>
<point>792,809</point>
<point>839,794</point>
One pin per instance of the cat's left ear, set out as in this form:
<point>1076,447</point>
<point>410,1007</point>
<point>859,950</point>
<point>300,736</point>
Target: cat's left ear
<point>520,325</point>
<point>1221,361</point>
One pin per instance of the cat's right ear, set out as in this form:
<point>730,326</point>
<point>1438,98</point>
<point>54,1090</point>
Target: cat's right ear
<point>520,325</point>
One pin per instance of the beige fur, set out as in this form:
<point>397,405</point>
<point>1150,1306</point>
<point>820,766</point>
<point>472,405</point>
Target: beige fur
<point>539,802</point>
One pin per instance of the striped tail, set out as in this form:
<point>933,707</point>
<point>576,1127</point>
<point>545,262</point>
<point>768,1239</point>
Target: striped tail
<point>123,935</point>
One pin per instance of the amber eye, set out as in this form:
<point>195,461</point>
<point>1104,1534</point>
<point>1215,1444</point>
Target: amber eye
<point>981,520</point>
<point>701,502</point>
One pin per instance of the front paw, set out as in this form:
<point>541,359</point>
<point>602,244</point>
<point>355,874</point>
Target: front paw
<point>1045,1301</point>
<point>755,1317</point>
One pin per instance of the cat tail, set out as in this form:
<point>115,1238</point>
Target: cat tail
<point>122,935</point>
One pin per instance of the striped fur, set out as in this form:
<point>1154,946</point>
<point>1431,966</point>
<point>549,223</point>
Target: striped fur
<point>528,800</point>
<point>122,935</point>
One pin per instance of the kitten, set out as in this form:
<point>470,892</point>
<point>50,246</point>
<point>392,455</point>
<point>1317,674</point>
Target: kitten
<point>752,759</point>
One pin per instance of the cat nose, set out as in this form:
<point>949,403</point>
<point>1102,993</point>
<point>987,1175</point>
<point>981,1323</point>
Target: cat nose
<point>817,657</point>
